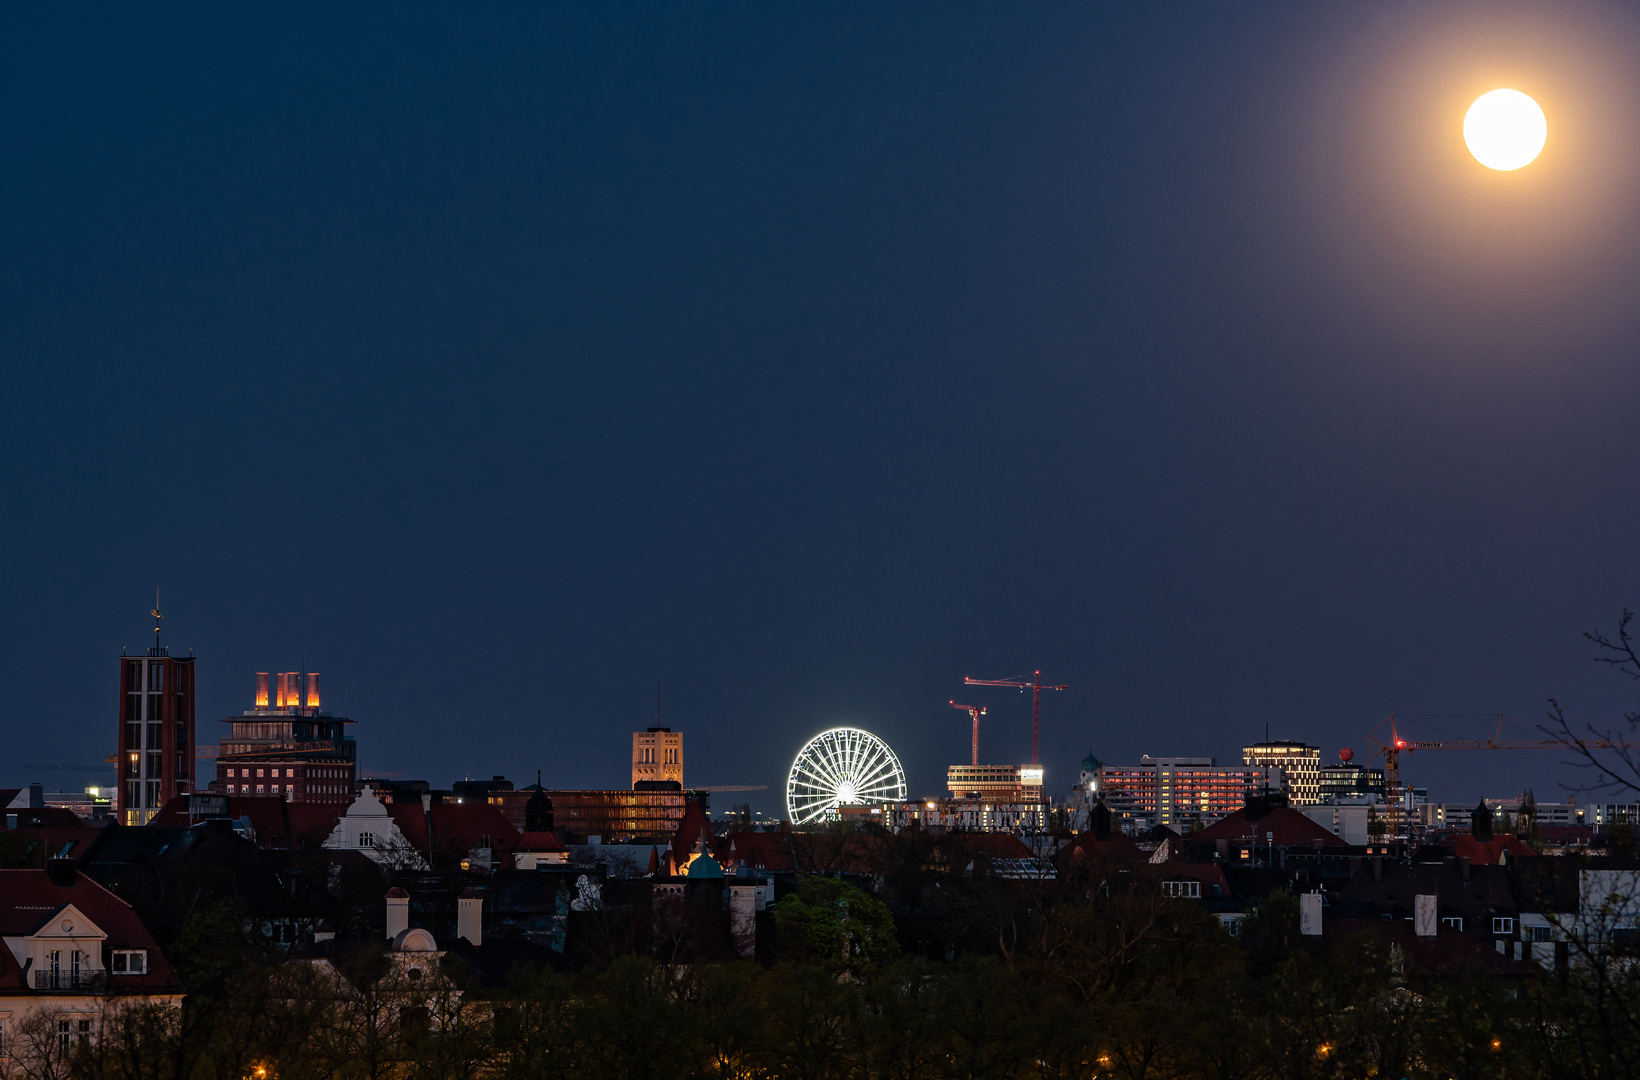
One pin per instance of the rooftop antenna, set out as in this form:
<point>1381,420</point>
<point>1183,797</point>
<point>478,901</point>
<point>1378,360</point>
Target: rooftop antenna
<point>157,617</point>
<point>657,702</point>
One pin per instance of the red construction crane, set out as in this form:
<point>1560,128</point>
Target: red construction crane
<point>1390,750</point>
<point>1035,686</point>
<point>976,711</point>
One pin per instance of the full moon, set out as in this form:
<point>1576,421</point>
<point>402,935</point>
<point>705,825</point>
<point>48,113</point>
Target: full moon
<point>1505,129</point>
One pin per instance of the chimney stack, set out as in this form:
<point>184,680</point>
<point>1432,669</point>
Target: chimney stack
<point>398,912</point>
<point>1309,914</point>
<point>1424,922</point>
<point>61,872</point>
<point>261,689</point>
<point>36,796</point>
<point>470,916</point>
<point>313,690</point>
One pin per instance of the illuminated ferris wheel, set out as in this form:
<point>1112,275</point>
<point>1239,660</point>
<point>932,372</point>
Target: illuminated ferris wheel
<point>843,766</point>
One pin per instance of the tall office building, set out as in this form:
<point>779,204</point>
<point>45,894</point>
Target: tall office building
<point>156,732</point>
<point>657,754</point>
<point>1299,762</point>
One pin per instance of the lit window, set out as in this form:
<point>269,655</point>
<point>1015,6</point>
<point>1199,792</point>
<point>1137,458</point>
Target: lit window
<point>259,788</point>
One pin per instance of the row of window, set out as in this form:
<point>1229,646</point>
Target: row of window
<point>120,961</point>
<point>280,789</point>
<point>323,774</point>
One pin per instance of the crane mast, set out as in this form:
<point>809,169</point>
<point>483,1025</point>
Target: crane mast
<point>1035,686</point>
<point>975,711</point>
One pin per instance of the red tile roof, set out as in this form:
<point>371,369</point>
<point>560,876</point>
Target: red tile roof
<point>28,899</point>
<point>1290,828</point>
<point>1486,853</point>
<point>1449,952</point>
<point>277,823</point>
<point>537,842</point>
<point>1086,848</point>
<point>760,850</point>
<point>457,827</point>
<point>690,826</point>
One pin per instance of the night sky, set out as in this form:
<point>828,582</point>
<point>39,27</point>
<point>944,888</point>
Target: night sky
<point>495,362</point>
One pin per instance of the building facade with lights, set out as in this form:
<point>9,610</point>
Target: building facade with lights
<point>612,815</point>
<point>288,748</point>
<point>1180,792</point>
<point>1299,762</point>
<point>995,783</point>
<point>1348,781</point>
<point>156,733</point>
<point>954,815</point>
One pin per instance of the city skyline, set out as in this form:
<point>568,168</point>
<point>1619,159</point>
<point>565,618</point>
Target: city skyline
<point>811,362</point>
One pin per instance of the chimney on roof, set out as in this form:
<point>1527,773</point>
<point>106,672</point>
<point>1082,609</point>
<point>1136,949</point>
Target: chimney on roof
<point>1463,864</point>
<point>1377,868</point>
<point>1101,820</point>
<point>1309,914</point>
<point>36,796</point>
<point>470,916</point>
<point>61,872</point>
<point>398,912</point>
<point>1480,823</point>
<point>1424,921</point>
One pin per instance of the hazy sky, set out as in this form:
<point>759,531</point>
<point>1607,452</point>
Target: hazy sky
<point>496,361</point>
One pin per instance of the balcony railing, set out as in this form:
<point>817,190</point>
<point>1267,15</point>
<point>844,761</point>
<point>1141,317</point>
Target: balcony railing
<point>60,981</point>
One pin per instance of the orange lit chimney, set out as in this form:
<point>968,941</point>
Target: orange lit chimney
<point>313,690</point>
<point>261,689</point>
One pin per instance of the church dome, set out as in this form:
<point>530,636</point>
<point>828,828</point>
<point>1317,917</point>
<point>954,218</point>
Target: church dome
<point>704,866</point>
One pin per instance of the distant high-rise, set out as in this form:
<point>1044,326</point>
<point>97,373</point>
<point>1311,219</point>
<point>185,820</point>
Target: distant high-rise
<point>657,754</point>
<point>156,731</point>
<point>1299,762</point>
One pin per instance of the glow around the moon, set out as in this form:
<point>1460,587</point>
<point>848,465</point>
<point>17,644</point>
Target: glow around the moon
<point>1505,130</point>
